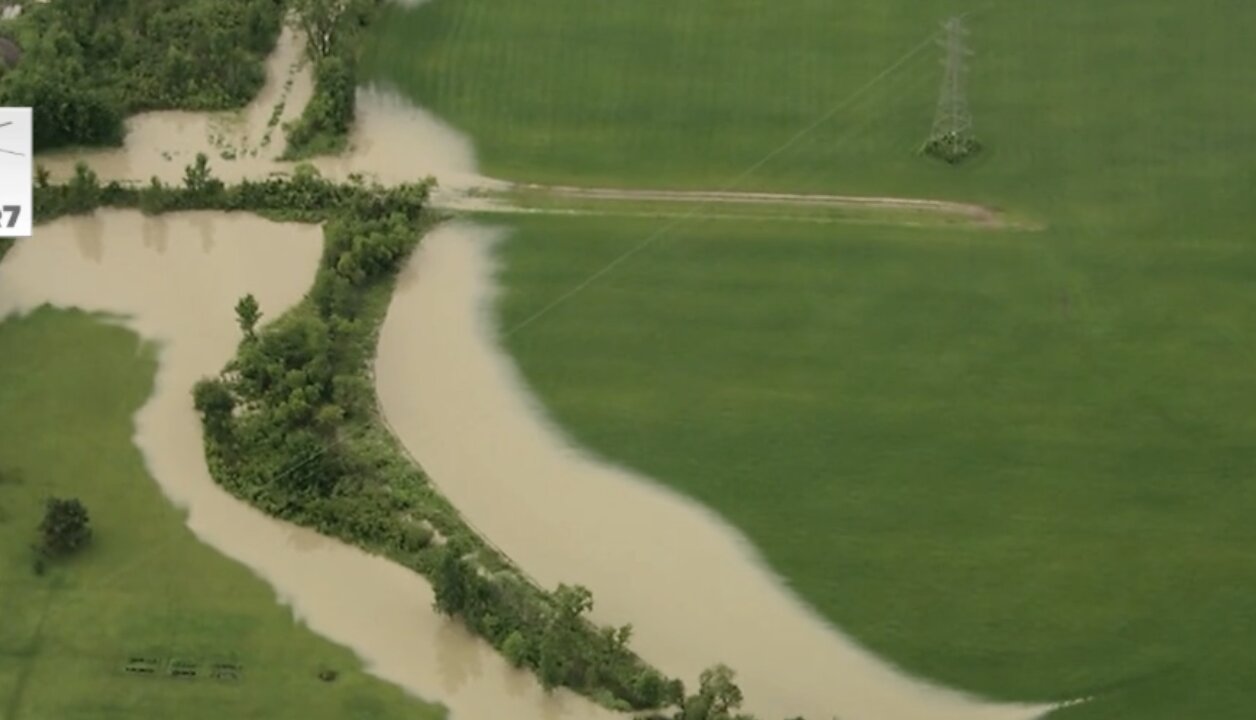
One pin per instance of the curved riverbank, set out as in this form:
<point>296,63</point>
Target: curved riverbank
<point>174,279</point>
<point>458,404</point>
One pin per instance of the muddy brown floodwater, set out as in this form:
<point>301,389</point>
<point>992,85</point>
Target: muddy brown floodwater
<point>458,404</point>
<point>174,280</point>
<point>392,140</point>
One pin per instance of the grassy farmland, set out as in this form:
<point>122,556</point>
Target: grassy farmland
<point>69,386</point>
<point>664,94</point>
<point>984,466</point>
<point>1014,462</point>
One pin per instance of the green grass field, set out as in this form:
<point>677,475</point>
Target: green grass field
<point>1085,109</point>
<point>971,454</point>
<point>69,386</point>
<point>1014,462</point>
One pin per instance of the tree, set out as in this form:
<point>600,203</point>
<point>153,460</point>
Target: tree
<point>64,528</point>
<point>213,400</point>
<point>83,190</point>
<point>450,582</point>
<point>516,648</point>
<point>717,697</point>
<point>563,650</point>
<point>650,688</point>
<point>247,314</point>
<point>200,180</point>
<point>320,20</point>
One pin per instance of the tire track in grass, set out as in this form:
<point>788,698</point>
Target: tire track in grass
<point>844,104</point>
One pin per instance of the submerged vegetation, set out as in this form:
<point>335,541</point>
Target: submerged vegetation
<point>88,64</point>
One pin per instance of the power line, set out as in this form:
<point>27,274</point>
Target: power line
<point>738,179</point>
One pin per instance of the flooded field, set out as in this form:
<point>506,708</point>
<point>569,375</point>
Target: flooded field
<point>457,402</point>
<point>392,141</point>
<point>174,280</point>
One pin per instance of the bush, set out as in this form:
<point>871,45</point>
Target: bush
<point>517,649</point>
<point>416,537</point>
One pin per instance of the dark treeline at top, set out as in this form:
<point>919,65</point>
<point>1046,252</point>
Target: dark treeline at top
<point>87,64</point>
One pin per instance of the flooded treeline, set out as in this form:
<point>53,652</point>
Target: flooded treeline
<point>332,31</point>
<point>86,65</point>
<point>292,426</point>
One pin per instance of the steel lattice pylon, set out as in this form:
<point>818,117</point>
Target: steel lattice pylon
<point>952,136</point>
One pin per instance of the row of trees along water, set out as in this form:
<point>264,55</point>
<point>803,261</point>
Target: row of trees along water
<point>333,32</point>
<point>88,64</point>
<point>292,426</point>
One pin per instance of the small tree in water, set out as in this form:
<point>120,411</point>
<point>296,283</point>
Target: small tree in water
<point>248,312</point>
<point>64,529</point>
<point>199,180</point>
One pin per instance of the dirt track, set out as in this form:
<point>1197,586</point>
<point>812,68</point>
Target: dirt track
<point>977,214</point>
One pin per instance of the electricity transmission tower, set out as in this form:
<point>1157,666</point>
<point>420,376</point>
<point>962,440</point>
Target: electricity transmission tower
<point>952,137</point>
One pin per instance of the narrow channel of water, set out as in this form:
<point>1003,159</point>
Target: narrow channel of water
<point>175,280</point>
<point>392,140</point>
<point>458,403</point>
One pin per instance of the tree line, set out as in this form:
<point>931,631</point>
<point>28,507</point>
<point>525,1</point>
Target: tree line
<point>333,31</point>
<point>87,64</point>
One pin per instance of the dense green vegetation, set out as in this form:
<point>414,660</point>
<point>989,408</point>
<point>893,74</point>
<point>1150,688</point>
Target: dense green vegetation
<point>292,426</point>
<point>145,586</point>
<point>304,196</point>
<point>996,459</point>
<point>333,29</point>
<point>88,64</point>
